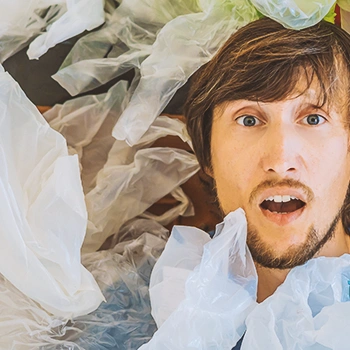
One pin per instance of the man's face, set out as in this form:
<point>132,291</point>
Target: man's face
<point>287,165</point>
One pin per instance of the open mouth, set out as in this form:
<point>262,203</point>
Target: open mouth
<point>282,204</point>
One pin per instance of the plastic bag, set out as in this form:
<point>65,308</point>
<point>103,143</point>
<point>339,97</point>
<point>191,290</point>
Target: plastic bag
<point>182,46</point>
<point>218,294</point>
<point>141,176</point>
<point>122,44</point>
<point>184,208</point>
<point>123,321</point>
<point>132,191</point>
<point>23,20</point>
<point>80,119</point>
<point>119,180</point>
<point>42,210</point>
<point>310,310</point>
<point>294,14</point>
<point>80,15</point>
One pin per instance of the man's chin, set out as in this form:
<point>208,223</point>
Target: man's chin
<point>268,256</point>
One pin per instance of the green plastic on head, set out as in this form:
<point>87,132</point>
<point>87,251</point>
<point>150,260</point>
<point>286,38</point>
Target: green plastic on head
<point>330,16</point>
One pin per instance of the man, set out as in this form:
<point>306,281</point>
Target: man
<point>269,120</point>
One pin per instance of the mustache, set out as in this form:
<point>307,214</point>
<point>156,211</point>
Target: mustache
<point>295,184</point>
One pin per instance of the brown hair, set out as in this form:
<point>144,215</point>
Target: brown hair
<point>263,61</point>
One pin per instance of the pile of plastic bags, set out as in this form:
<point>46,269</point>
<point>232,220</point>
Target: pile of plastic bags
<point>203,294</point>
<point>78,244</point>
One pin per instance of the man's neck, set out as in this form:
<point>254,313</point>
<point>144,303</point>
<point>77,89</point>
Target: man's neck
<point>270,279</point>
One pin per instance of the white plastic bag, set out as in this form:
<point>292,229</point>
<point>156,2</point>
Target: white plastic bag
<point>80,15</point>
<point>42,211</point>
<point>80,119</point>
<point>23,20</point>
<point>182,46</point>
<point>219,293</point>
<point>134,178</point>
<point>123,321</point>
<point>295,14</point>
<point>310,310</point>
<point>152,174</point>
<point>122,44</point>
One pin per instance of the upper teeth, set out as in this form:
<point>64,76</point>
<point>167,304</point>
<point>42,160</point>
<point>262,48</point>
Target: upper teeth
<point>279,199</point>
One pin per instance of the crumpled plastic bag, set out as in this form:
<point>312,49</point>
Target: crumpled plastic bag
<point>42,211</point>
<point>86,123</point>
<point>119,180</point>
<point>310,310</point>
<point>123,321</point>
<point>182,46</point>
<point>122,44</point>
<point>136,172</point>
<point>294,14</point>
<point>80,119</point>
<point>23,20</point>
<point>218,294</point>
<point>184,208</point>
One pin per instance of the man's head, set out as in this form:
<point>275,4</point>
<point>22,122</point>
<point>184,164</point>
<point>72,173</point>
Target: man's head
<point>268,116</point>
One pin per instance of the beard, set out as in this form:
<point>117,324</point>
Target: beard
<point>297,255</point>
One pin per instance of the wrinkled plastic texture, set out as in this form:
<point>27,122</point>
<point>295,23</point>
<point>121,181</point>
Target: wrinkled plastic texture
<point>294,14</point>
<point>119,180</point>
<point>182,46</point>
<point>122,322</point>
<point>80,15</point>
<point>310,310</point>
<point>136,171</point>
<point>42,211</point>
<point>122,44</point>
<point>49,21</point>
<point>203,296</point>
<point>218,294</point>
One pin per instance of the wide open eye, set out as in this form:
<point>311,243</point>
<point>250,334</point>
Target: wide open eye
<point>314,119</point>
<point>248,120</point>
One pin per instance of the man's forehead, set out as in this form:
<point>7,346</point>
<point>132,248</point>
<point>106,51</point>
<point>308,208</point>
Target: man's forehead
<point>304,93</point>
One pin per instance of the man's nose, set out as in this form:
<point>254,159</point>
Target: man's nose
<point>281,151</point>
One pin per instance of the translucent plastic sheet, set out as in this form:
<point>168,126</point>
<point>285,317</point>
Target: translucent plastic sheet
<point>122,322</point>
<point>295,14</point>
<point>80,119</point>
<point>310,310</point>
<point>23,20</point>
<point>203,296</point>
<point>119,180</point>
<point>218,294</point>
<point>42,211</point>
<point>184,208</point>
<point>80,15</point>
<point>182,46</point>
<point>122,44</point>
<point>153,173</point>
